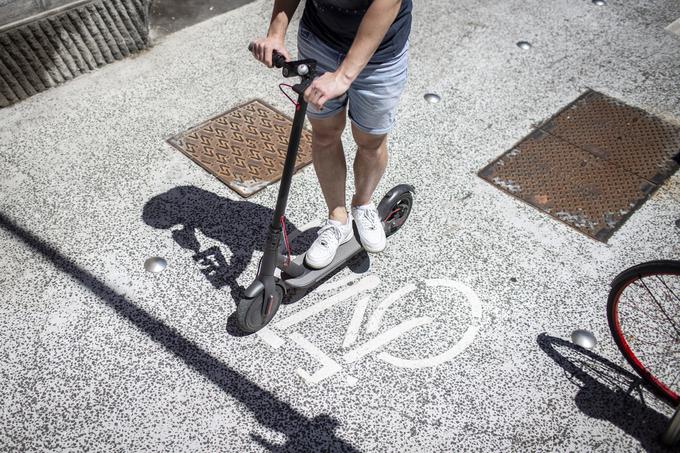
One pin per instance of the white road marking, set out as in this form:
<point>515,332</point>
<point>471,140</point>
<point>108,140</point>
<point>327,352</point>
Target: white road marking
<point>340,283</point>
<point>674,27</point>
<point>364,284</point>
<point>355,323</point>
<point>328,366</point>
<point>384,338</point>
<point>466,340</point>
<point>462,344</point>
<point>375,320</point>
<point>469,293</point>
<point>268,336</point>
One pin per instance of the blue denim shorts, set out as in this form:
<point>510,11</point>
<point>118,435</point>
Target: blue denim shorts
<point>374,95</point>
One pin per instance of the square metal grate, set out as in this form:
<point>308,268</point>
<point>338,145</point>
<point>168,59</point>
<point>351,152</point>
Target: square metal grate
<point>591,165</point>
<point>245,147</point>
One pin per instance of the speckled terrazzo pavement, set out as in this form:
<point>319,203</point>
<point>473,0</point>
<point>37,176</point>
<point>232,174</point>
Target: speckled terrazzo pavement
<point>96,353</point>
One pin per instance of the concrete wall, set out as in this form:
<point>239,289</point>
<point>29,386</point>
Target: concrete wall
<point>39,52</point>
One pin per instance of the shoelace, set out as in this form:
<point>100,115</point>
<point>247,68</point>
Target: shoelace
<point>372,217</point>
<point>325,236</point>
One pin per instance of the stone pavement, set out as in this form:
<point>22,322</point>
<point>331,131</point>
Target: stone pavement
<point>97,353</point>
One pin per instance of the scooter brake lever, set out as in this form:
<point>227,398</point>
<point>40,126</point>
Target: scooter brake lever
<point>300,88</point>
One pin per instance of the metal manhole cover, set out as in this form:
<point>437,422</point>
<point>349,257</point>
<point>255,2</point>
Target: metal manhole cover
<point>627,136</point>
<point>591,165</point>
<point>587,193</point>
<point>245,147</point>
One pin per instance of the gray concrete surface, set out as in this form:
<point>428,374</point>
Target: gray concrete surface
<point>98,354</point>
<point>169,16</point>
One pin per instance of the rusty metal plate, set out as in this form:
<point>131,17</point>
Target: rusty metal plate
<point>626,136</point>
<point>245,147</point>
<point>584,191</point>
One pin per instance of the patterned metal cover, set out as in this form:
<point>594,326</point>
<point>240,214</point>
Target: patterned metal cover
<point>630,137</point>
<point>245,148</point>
<point>592,165</point>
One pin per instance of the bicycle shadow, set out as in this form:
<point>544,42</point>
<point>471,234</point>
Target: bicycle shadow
<point>607,391</point>
<point>240,225</point>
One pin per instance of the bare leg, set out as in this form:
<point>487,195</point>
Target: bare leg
<point>329,163</point>
<point>369,164</point>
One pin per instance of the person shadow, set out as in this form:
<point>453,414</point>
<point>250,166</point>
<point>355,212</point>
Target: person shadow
<point>240,225</point>
<point>608,392</point>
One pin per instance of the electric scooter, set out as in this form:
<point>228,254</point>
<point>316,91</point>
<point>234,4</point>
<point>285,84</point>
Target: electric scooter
<point>262,298</point>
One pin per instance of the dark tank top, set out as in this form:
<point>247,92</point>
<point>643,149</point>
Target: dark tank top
<point>336,23</point>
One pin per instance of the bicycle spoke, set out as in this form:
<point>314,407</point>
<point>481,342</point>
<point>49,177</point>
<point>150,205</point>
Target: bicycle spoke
<point>668,288</point>
<point>647,326</point>
<point>661,308</point>
<point>675,379</point>
<point>654,322</point>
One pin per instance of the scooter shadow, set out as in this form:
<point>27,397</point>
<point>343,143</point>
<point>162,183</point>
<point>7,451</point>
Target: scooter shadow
<point>608,392</point>
<point>238,224</point>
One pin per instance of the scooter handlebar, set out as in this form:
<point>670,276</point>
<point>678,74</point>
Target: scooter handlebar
<point>278,59</point>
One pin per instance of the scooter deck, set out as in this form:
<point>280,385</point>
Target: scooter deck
<point>312,276</point>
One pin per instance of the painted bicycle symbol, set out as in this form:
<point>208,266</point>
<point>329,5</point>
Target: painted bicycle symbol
<point>374,325</point>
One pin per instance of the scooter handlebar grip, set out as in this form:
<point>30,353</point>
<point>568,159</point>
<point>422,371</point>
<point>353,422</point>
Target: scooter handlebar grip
<point>278,59</point>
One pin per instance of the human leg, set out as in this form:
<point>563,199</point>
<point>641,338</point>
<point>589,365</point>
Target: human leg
<point>369,164</point>
<point>328,157</point>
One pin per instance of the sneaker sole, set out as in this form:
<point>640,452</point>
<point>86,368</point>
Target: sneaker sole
<point>374,249</point>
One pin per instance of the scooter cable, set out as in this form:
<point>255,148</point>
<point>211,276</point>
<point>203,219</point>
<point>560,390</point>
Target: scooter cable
<point>281,85</point>
<point>285,239</point>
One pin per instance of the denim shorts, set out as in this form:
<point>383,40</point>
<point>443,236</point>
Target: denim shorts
<point>374,95</point>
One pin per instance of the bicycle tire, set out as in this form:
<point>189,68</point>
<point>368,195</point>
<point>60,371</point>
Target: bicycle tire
<point>623,281</point>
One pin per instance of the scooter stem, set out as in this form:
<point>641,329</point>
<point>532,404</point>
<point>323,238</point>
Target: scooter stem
<point>271,250</point>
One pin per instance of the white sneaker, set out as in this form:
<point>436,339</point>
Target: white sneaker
<point>331,236</point>
<point>369,227</point>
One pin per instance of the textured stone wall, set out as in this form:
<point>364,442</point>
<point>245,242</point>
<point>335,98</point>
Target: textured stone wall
<point>51,50</point>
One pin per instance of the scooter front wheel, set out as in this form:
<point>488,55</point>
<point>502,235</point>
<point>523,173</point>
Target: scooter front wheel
<point>252,314</point>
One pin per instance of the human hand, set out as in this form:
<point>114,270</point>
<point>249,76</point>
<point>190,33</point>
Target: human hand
<point>326,87</point>
<point>262,49</point>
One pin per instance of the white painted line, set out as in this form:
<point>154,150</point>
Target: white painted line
<point>469,293</point>
<point>674,27</point>
<point>340,283</point>
<point>328,366</point>
<point>462,344</point>
<point>268,336</point>
<point>355,323</point>
<point>384,338</point>
<point>365,284</point>
<point>375,320</point>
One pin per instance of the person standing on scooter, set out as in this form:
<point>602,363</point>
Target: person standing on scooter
<point>361,46</point>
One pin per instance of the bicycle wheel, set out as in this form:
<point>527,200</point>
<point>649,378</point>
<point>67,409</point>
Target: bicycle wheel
<point>643,311</point>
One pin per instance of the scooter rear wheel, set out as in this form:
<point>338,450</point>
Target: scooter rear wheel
<point>250,316</point>
<point>398,213</point>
